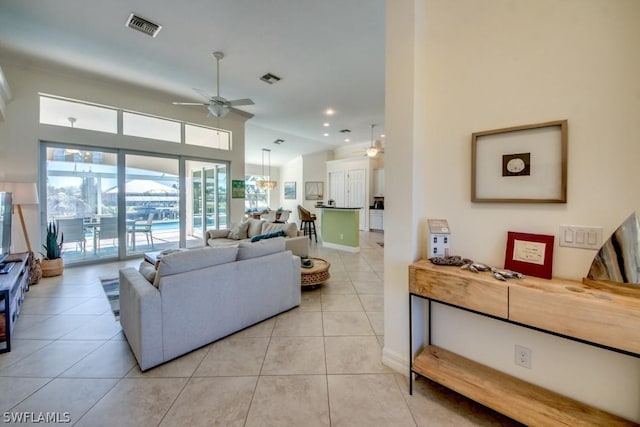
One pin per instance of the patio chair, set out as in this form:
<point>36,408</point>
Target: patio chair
<point>144,227</point>
<point>108,229</point>
<point>72,230</point>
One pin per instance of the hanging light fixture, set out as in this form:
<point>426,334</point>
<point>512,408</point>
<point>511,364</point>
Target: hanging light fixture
<point>372,151</point>
<point>266,184</point>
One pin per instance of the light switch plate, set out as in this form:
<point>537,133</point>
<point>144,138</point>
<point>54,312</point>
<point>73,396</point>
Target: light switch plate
<point>581,236</point>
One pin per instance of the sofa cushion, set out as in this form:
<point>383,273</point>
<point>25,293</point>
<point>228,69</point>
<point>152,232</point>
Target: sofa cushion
<point>148,270</point>
<point>255,227</point>
<point>271,235</point>
<point>239,231</point>
<point>247,250</point>
<point>290,228</point>
<point>218,234</point>
<point>194,259</point>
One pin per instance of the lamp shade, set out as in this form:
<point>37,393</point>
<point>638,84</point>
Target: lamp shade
<point>23,193</point>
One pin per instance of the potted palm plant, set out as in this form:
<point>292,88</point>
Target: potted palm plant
<point>52,263</point>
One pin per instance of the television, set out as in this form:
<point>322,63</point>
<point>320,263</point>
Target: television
<point>5,224</point>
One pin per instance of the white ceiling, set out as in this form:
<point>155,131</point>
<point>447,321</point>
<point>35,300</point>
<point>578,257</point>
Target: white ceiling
<point>329,54</point>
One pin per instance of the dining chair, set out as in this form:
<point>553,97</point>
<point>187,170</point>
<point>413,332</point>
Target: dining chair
<point>269,216</point>
<point>284,216</point>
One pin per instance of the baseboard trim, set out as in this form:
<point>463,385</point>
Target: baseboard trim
<point>395,361</point>
<point>352,249</point>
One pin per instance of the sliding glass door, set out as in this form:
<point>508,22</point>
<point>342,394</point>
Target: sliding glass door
<point>151,201</point>
<point>76,198</point>
<point>207,199</point>
<point>113,204</point>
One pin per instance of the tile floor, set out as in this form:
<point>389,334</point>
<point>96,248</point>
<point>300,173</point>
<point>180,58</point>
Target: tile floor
<point>318,364</point>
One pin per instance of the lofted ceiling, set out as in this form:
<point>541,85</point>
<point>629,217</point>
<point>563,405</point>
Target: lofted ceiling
<point>329,54</point>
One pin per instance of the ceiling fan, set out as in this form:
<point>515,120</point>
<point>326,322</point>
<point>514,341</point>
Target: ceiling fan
<point>217,105</point>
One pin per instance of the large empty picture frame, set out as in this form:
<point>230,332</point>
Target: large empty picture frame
<point>522,164</point>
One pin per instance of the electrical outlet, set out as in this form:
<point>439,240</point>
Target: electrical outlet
<point>523,356</point>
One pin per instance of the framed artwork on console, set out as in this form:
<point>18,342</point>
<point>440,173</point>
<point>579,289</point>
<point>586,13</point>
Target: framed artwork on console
<point>529,254</point>
<point>522,164</point>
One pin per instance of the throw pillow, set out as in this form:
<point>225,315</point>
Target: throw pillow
<point>239,231</point>
<point>271,235</point>
<point>255,227</point>
<point>148,271</point>
<point>290,228</point>
<point>248,250</point>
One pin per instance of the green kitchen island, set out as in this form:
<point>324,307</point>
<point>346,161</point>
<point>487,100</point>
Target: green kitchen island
<point>340,228</point>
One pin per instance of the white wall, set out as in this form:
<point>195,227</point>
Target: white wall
<point>469,66</point>
<point>21,132</point>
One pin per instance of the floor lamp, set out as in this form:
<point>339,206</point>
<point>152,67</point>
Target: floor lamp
<point>22,193</point>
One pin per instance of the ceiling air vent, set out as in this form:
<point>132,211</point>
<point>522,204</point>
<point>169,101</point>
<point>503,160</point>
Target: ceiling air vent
<point>345,131</point>
<point>278,141</point>
<point>142,25</point>
<point>270,78</point>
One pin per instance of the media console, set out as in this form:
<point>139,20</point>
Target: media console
<point>605,318</point>
<point>13,287</point>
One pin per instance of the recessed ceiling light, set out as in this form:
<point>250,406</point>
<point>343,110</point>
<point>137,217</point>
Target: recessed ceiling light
<point>326,124</point>
<point>347,140</point>
<point>325,134</point>
<point>330,112</point>
<point>382,135</point>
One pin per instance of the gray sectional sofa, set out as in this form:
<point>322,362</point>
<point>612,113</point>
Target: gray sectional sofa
<point>249,228</point>
<point>202,295</point>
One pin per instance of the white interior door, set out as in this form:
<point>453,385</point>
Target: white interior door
<point>357,192</point>
<point>336,187</point>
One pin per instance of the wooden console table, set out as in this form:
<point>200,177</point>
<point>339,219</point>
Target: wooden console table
<point>563,308</point>
<point>13,286</point>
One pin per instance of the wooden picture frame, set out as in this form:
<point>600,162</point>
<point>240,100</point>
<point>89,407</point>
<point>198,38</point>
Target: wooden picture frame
<point>521,164</point>
<point>314,190</point>
<point>290,190</point>
<point>529,254</point>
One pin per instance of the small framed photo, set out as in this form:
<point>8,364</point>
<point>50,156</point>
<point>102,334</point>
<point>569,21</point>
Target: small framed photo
<point>290,190</point>
<point>522,164</point>
<point>529,254</point>
<point>314,190</point>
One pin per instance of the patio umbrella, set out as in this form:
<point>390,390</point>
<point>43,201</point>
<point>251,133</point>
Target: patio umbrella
<point>146,187</point>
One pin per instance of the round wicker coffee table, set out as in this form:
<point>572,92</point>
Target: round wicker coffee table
<point>315,275</point>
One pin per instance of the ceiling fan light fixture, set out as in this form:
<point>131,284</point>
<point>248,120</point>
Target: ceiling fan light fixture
<point>218,110</point>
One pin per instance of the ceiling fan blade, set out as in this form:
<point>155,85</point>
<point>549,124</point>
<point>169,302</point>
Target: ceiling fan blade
<point>189,103</point>
<point>236,102</point>
<point>203,93</point>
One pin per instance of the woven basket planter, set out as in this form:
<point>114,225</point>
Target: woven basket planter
<point>52,267</point>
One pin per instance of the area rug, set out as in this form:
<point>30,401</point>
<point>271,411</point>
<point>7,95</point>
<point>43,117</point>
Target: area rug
<point>111,289</point>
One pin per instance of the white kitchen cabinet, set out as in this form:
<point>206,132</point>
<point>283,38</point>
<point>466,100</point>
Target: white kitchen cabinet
<point>376,219</point>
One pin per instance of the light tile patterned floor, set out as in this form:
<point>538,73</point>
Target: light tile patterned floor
<point>319,364</point>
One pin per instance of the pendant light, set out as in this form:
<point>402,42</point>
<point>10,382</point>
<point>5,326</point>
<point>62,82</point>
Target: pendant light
<point>266,184</point>
<point>372,151</point>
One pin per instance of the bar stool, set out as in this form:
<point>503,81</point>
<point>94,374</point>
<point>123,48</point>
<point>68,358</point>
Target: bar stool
<point>307,223</point>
